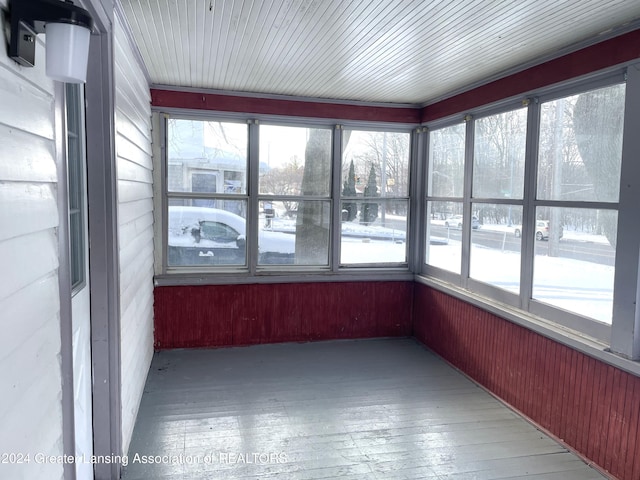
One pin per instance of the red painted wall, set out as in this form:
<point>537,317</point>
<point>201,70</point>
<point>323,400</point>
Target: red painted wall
<point>592,406</point>
<point>276,106</point>
<point>226,315</point>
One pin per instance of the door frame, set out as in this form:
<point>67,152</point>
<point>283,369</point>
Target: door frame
<point>103,254</point>
<point>104,278</point>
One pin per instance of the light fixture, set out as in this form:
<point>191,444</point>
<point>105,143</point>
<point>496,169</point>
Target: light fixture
<point>68,30</point>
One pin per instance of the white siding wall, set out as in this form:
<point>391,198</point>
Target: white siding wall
<point>135,230</point>
<point>30,372</point>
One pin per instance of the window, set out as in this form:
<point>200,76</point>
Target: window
<point>498,180</point>
<point>207,193</point>
<point>578,186</point>
<point>445,186</point>
<point>374,197</point>
<point>545,240</point>
<point>76,171</point>
<point>294,188</point>
<point>262,198</point>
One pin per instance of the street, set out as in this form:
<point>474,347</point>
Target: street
<point>589,252</point>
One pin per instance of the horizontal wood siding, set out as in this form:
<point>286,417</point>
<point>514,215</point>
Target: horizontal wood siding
<point>135,227</point>
<point>30,370</point>
<point>591,406</point>
<point>216,316</point>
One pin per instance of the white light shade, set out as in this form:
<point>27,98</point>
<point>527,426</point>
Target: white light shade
<point>67,52</point>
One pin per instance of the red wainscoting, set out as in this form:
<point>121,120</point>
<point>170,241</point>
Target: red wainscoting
<point>590,405</point>
<point>225,315</point>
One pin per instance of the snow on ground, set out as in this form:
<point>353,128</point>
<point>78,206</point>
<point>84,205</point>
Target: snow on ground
<point>582,287</point>
<point>567,234</point>
<point>350,229</point>
<point>361,244</point>
<point>362,250</point>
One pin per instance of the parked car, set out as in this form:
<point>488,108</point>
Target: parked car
<point>455,221</point>
<point>542,230</point>
<point>211,236</point>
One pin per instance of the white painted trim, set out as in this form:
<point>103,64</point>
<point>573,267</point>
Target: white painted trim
<point>158,137</point>
<point>252,195</point>
<point>104,272</point>
<point>335,197</point>
<point>625,336</point>
<point>64,285</point>
<point>416,246</point>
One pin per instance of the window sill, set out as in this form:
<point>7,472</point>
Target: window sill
<point>565,336</point>
<point>237,278</point>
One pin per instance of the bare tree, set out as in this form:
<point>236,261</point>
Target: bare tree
<point>285,180</point>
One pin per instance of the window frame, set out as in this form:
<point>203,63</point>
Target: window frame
<point>252,271</point>
<point>524,301</point>
<point>262,197</point>
<point>76,183</point>
<point>168,195</point>
<point>339,198</point>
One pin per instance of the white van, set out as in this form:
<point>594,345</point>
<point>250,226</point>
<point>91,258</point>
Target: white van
<point>211,236</point>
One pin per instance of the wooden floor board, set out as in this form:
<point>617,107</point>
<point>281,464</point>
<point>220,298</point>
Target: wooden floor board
<point>367,409</point>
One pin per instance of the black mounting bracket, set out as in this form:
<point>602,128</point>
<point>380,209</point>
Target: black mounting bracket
<point>29,17</point>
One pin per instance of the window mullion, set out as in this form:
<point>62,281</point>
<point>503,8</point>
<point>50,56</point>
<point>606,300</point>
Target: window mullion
<point>417,201</point>
<point>336,206</point>
<point>625,332</point>
<point>466,207</point>
<point>253,207</point>
<point>527,246</point>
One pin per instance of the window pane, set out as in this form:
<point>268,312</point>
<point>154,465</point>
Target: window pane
<point>77,251</point>
<point>206,157</point>
<point>294,233</point>
<point>574,260</point>
<point>495,246</point>
<point>499,154</point>
<point>446,161</point>
<point>76,170</point>
<point>581,146</point>
<point>377,234</point>
<point>206,235</point>
<point>444,238</point>
<point>375,164</point>
<point>295,160</point>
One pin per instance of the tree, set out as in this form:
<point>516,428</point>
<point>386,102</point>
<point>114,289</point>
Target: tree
<point>598,120</point>
<point>370,210</point>
<point>349,190</point>
<point>312,221</point>
<point>285,180</point>
<point>389,152</point>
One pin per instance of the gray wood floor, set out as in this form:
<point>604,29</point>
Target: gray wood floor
<point>369,409</point>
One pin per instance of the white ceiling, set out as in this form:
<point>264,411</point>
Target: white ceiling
<point>400,51</point>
